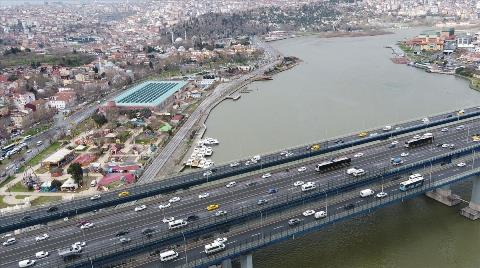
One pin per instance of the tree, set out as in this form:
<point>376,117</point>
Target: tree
<point>75,170</point>
<point>56,184</point>
<point>99,119</point>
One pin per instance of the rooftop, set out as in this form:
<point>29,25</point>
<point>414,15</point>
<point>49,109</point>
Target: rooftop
<point>150,93</point>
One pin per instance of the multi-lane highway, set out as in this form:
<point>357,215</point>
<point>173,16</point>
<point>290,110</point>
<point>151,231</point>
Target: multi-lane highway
<point>376,157</point>
<point>38,215</point>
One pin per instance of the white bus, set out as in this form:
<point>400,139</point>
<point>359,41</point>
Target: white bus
<point>177,224</point>
<point>168,255</point>
<point>214,247</point>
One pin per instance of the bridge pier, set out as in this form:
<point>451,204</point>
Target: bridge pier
<point>473,210</point>
<point>246,261</point>
<point>444,195</point>
<point>227,263</point>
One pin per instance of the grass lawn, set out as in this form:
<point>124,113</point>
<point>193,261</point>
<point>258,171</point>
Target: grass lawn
<point>2,204</point>
<point>39,129</point>
<point>39,157</point>
<point>9,179</point>
<point>84,126</point>
<point>21,196</point>
<point>45,199</point>
<point>18,187</point>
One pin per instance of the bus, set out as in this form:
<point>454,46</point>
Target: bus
<point>412,182</point>
<point>8,148</point>
<point>333,164</point>
<point>425,139</point>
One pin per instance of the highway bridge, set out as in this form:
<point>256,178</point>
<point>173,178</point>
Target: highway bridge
<point>240,202</point>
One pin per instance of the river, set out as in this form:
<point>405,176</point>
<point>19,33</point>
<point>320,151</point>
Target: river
<point>345,85</point>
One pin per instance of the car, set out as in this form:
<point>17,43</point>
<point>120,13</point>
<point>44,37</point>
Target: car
<point>207,173</point>
<point>26,218</point>
<point>298,183</point>
<point>404,154</point>
<point>52,209</point>
<point>288,154</point>
<point>87,225</point>
<point>294,221</point>
<point>452,146</point>
<point>192,218</point>
<point>80,223</point>
<point>381,195</point>
<point>320,214</point>
<point>339,141</point>
<point>41,237</point>
<point>213,207</point>
<point>302,169</point>
<point>445,129</point>
<point>165,205</point>
<point>231,184</point>
<point>476,138</point>
<point>362,134</point>
<point>221,240</point>
<point>391,146</point>
<point>220,212</point>
<point>373,134</point>
<point>174,199</point>
<point>394,142</point>
<point>309,212</point>
<point>262,201</point>
<point>122,233</point>
<point>168,219</point>
<point>95,197</point>
<point>461,127</point>
<point>284,153</point>
<point>148,231</point>
<point>204,195</point>
<point>251,183</point>
<point>349,206</point>
<point>125,240</point>
<point>234,164</point>
<point>449,116</point>
<point>266,175</point>
<point>445,145</point>
<point>417,137</point>
<point>9,242</point>
<point>315,147</point>
<point>358,155</point>
<point>41,254</point>
<point>461,164</point>
<point>123,194</point>
<point>79,244</point>
<point>425,120</point>
<point>272,190</point>
<point>248,163</point>
<point>7,235</point>
<point>140,208</point>
<point>26,263</point>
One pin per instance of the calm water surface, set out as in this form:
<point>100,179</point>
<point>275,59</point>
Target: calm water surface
<point>345,85</point>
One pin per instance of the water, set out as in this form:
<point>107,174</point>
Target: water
<point>346,85</point>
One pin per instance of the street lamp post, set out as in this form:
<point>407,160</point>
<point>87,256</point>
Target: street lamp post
<point>185,247</point>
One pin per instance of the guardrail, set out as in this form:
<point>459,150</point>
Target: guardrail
<point>254,243</point>
<point>141,244</point>
<point>82,205</point>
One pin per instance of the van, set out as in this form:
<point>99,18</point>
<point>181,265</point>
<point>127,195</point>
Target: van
<point>93,183</point>
<point>177,224</point>
<point>214,247</point>
<point>168,255</point>
<point>308,186</point>
<point>366,192</point>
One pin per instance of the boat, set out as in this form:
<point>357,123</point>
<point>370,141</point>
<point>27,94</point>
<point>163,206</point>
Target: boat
<point>208,151</point>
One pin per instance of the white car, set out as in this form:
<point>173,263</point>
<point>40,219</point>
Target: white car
<point>461,164</point>
<point>26,263</point>
<point>234,164</point>
<point>381,195</point>
<point>41,254</point>
<point>298,183</point>
<point>288,154</point>
<point>162,206</point>
<point>425,120</point>
<point>358,155</point>
<point>41,237</point>
<point>168,219</point>
<point>404,154</point>
<point>373,134</point>
<point>10,241</point>
<point>174,199</point>
<point>417,137</point>
<point>267,175</point>
<point>95,197</point>
<point>445,129</point>
<point>320,214</point>
<point>140,208</point>
<point>460,127</point>
<point>204,195</point>
<point>87,225</point>
<point>79,244</point>
<point>302,169</point>
<point>220,212</point>
<point>231,184</point>
<point>309,212</point>
<point>207,173</point>
<point>248,162</point>
<point>394,143</point>
<point>221,240</point>
<point>445,145</point>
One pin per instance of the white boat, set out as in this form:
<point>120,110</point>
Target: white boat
<point>208,152</point>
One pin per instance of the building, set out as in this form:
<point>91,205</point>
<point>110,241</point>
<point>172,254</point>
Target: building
<point>63,100</point>
<point>58,159</point>
<point>155,95</point>
<point>22,119</point>
<point>465,41</point>
<point>20,99</point>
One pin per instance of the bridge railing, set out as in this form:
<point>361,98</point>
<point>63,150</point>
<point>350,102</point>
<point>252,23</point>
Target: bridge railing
<point>254,243</point>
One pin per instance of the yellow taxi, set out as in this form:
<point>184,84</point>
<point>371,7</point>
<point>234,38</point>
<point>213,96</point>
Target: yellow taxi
<point>213,207</point>
<point>476,138</point>
<point>123,194</point>
<point>362,134</point>
<point>315,147</point>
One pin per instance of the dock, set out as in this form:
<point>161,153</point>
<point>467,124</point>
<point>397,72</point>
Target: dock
<point>233,97</point>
